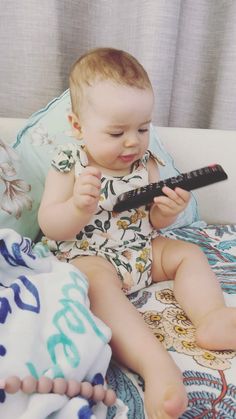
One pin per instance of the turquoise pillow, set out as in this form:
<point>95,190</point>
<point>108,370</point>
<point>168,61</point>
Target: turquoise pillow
<point>27,162</point>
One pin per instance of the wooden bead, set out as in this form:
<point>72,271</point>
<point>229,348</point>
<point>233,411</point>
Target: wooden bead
<point>98,393</point>
<point>59,386</point>
<point>29,384</point>
<point>44,385</point>
<point>73,388</point>
<point>110,397</point>
<point>12,384</point>
<point>2,383</point>
<point>86,390</point>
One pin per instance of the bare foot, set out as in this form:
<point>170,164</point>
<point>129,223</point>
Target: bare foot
<point>217,331</point>
<point>165,396</point>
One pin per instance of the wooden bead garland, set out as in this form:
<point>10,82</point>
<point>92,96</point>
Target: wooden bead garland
<point>70,388</point>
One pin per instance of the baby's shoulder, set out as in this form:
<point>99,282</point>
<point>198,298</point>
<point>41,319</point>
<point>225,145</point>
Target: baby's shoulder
<point>67,156</point>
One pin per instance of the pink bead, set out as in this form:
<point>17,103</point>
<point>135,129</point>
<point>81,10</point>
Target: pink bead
<point>13,384</point>
<point>2,383</point>
<point>73,388</point>
<point>110,397</point>
<point>44,385</point>
<point>98,393</point>
<point>29,384</point>
<point>86,390</point>
<point>59,386</point>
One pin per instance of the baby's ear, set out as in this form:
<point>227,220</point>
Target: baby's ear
<point>75,125</point>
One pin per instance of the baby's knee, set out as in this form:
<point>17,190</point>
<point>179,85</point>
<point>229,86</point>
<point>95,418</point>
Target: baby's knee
<point>190,250</point>
<point>190,253</point>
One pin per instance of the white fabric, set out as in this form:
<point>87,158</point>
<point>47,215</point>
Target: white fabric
<point>46,328</point>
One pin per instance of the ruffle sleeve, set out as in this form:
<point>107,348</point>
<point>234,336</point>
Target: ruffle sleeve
<point>66,157</point>
<point>149,155</point>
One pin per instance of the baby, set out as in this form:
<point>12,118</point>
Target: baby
<point>112,103</point>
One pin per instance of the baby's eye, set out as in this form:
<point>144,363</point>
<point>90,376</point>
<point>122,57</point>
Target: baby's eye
<point>143,130</point>
<point>116,134</point>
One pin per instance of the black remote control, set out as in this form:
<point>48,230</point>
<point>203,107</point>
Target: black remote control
<point>188,181</point>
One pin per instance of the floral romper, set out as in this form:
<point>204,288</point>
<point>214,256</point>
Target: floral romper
<point>122,238</point>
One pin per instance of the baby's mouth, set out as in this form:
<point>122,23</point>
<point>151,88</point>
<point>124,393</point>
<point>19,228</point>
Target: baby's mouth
<point>128,158</point>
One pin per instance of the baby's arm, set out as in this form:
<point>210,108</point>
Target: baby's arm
<point>165,209</point>
<point>68,203</point>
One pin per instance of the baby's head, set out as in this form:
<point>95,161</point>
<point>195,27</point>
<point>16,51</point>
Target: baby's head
<point>112,104</point>
<point>105,64</point>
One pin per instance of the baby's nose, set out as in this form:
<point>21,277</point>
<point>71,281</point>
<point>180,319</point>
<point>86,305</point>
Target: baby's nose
<point>131,140</point>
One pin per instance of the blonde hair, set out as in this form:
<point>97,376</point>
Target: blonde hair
<point>102,64</point>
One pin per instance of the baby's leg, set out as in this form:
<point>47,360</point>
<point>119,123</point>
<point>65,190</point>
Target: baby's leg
<point>132,342</point>
<point>197,290</point>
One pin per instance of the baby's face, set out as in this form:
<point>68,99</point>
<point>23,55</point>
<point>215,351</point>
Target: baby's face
<point>115,124</point>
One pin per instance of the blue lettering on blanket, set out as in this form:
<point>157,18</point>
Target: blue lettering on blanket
<point>56,317</point>
<point>16,259</point>
<point>21,287</point>
<point>5,307</point>
<point>32,289</point>
<point>69,316</point>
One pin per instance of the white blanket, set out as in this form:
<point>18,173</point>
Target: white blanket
<point>47,329</point>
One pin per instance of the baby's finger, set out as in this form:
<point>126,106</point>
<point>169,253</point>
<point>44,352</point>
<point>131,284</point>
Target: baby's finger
<point>180,196</point>
<point>90,189</point>
<point>185,195</point>
<point>91,170</point>
<point>164,201</point>
<point>89,179</point>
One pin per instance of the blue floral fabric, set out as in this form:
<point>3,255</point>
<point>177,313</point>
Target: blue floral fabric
<point>209,376</point>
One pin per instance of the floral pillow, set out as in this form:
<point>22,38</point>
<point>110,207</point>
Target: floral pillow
<point>23,167</point>
<point>15,195</point>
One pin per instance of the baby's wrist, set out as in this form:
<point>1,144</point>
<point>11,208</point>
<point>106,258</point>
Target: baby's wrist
<point>159,219</point>
<point>79,210</point>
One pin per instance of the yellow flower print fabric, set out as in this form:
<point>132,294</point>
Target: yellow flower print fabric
<point>122,238</point>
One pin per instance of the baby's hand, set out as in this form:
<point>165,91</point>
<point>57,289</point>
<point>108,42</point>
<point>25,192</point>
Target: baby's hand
<point>174,201</point>
<point>87,190</point>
